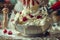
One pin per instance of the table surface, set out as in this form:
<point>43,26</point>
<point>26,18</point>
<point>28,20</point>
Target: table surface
<point>14,36</point>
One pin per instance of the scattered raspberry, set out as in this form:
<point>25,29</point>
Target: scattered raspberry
<point>5,31</point>
<point>10,33</point>
<point>25,19</point>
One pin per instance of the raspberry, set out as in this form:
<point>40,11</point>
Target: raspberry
<point>25,19</point>
<point>5,31</point>
<point>10,33</point>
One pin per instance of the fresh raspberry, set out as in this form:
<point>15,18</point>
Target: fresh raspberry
<point>10,33</point>
<point>5,31</point>
<point>25,19</point>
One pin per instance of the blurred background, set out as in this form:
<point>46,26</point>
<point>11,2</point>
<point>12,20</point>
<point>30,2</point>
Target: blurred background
<point>10,4</point>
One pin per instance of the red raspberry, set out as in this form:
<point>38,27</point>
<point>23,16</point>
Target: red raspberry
<point>38,17</point>
<point>5,31</point>
<point>25,19</point>
<point>10,33</point>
